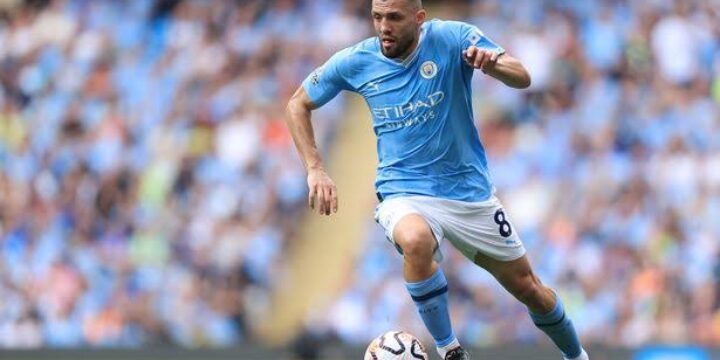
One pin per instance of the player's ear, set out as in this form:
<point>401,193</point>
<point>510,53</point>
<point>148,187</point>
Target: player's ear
<point>420,16</point>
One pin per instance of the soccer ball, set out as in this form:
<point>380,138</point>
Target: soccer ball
<point>396,345</point>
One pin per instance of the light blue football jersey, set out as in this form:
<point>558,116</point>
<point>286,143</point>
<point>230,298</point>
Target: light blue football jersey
<point>427,142</point>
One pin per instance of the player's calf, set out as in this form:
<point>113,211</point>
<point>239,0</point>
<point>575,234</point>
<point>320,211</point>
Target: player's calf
<point>526,287</point>
<point>518,278</point>
<point>425,281</point>
<point>558,326</point>
<point>546,310</point>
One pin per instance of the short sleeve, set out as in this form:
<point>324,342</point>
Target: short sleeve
<point>325,82</point>
<point>471,35</point>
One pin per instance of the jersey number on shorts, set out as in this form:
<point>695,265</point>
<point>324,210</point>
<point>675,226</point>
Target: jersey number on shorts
<point>505,228</point>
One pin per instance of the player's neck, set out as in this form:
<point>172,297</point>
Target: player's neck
<point>410,50</point>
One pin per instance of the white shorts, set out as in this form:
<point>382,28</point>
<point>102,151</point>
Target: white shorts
<point>471,227</point>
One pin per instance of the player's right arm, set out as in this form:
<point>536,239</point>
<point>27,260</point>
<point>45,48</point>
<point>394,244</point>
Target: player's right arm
<point>321,86</point>
<point>480,52</point>
<point>322,192</point>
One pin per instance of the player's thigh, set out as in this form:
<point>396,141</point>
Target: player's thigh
<point>483,232</point>
<point>408,227</point>
<point>483,228</point>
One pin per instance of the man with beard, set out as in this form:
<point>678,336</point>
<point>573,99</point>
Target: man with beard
<point>432,179</point>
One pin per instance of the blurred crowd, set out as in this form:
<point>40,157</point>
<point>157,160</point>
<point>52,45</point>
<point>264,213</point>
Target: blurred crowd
<point>609,166</point>
<point>148,183</point>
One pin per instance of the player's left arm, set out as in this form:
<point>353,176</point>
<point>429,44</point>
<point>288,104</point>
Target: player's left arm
<point>499,65</point>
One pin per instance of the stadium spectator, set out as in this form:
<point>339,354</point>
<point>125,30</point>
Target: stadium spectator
<point>147,185</point>
<point>145,161</point>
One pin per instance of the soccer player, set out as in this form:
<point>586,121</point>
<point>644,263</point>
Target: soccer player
<point>432,177</point>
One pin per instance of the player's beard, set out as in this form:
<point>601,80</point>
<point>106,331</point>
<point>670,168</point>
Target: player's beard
<point>399,48</point>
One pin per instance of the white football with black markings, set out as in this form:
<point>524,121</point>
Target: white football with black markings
<point>396,345</point>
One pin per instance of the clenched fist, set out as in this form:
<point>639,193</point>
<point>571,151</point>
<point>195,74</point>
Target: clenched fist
<point>482,59</point>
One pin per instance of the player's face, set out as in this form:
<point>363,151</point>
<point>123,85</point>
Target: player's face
<point>397,24</point>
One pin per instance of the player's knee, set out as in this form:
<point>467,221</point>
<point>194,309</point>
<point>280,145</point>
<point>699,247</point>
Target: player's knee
<point>529,294</point>
<point>528,291</point>
<point>416,242</point>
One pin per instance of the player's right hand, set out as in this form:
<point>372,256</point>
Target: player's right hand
<point>323,193</point>
<point>482,59</point>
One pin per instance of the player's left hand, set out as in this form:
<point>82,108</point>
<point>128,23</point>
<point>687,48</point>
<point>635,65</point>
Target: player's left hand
<point>482,59</point>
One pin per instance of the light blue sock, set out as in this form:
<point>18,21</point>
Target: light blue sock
<point>431,299</point>
<point>560,329</point>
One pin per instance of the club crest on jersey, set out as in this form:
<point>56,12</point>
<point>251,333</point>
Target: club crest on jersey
<point>428,70</point>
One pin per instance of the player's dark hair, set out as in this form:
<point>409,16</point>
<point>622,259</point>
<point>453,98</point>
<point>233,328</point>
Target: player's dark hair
<point>416,4</point>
